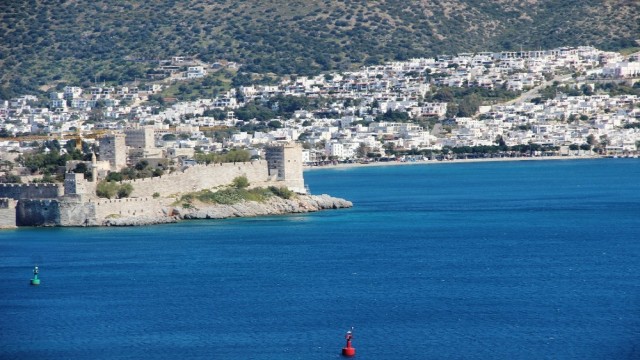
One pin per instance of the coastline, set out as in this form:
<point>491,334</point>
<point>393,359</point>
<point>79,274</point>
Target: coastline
<point>452,161</point>
<point>274,206</point>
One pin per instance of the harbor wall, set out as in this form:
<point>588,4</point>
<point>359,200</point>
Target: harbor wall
<point>38,212</point>
<point>75,211</point>
<point>129,207</point>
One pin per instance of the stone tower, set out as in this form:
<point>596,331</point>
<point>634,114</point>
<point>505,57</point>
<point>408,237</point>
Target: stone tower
<point>285,162</point>
<point>140,139</point>
<point>114,150</point>
<point>74,184</point>
<point>141,143</point>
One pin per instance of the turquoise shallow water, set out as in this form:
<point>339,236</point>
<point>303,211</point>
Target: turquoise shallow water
<point>522,260</point>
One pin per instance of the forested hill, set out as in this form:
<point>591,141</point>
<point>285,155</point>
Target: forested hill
<point>76,40</point>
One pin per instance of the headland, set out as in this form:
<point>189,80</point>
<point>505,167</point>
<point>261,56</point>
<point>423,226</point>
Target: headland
<point>278,180</point>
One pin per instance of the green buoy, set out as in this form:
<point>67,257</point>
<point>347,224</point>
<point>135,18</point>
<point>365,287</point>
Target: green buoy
<point>35,280</point>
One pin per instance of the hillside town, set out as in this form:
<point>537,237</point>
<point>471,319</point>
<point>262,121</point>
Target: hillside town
<point>386,112</point>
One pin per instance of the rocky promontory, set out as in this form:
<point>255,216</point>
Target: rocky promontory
<point>273,206</point>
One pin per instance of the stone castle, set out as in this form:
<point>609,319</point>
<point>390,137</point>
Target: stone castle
<point>75,203</point>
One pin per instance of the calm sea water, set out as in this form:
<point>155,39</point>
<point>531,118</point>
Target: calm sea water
<point>522,260</point>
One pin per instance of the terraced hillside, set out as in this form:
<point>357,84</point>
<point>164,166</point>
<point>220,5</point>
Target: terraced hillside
<point>44,41</point>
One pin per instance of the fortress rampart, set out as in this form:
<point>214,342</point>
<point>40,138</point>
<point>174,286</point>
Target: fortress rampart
<point>38,212</point>
<point>200,177</point>
<point>73,211</point>
<point>75,204</point>
<point>145,206</point>
<point>31,191</point>
<point>282,167</point>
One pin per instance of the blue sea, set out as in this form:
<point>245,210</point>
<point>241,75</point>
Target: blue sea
<point>504,260</point>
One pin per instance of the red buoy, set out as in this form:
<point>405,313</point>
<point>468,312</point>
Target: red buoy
<point>348,350</point>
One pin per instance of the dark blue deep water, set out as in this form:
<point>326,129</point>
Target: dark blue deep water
<point>517,260</point>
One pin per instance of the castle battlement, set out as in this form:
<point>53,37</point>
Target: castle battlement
<point>6,203</point>
<point>44,202</point>
<point>31,185</point>
<point>31,191</point>
<point>204,176</point>
<point>120,201</point>
<point>198,169</point>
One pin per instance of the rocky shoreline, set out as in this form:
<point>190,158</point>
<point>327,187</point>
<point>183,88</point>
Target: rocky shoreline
<point>274,206</point>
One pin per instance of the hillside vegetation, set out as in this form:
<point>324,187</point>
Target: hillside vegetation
<point>73,41</point>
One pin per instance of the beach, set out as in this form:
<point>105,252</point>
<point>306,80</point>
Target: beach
<point>452,161</point>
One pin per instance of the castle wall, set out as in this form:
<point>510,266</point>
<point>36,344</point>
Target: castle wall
<point>200,177</point>
<point>7,213</point>
<point>31,191</point>
<point>38,212</point>
<point>74,211</point>
<point>146,206</point>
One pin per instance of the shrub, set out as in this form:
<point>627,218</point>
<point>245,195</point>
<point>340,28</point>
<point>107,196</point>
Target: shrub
<point>282,192</point>
<point>226,196</point>
<point>156,195</point>
<point>107,189</point>
<point>241,182</point>
<point>125,190</point>
<point>10,178</point>
<point>114,176</point>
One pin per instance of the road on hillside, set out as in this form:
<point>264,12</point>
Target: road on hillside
<point>535,92</point>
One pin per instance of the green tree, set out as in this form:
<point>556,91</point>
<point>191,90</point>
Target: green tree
<point>10,178</point>
<point>362,151</point>
<point>125,190</point>
<point>81,168</point>
<point>275,124</point>
<point>107,189</point>
<point>141,165</point>
<point>114,176</point>
<point>237,155</point>
<point>468,106</point>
